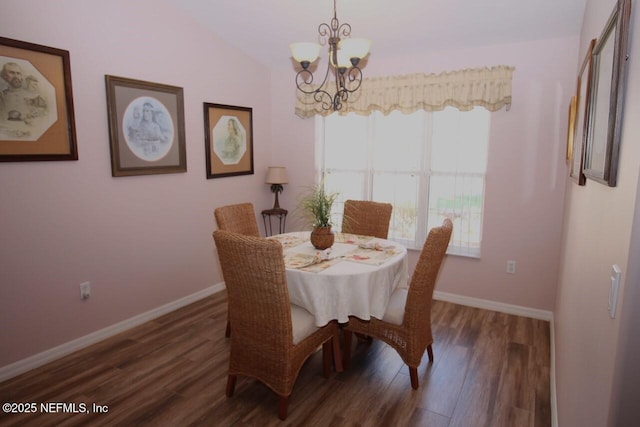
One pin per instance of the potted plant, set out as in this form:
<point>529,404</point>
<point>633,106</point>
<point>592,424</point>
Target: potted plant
<point>317,204</point>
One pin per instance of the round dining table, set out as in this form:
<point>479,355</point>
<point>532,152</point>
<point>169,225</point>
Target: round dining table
<point>355,277</point>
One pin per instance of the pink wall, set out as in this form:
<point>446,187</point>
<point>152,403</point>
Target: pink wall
<point>141,241</point>
<point>597,234</point>
<point>526,173</point>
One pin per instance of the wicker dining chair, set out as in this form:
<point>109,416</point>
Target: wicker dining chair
<point>406,324</point>
<point>366,218</point>
<point>239,218</point>
<point>271,337</point>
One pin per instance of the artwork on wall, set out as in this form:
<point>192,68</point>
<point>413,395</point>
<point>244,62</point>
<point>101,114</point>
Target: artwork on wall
<point>604,119</point>
<point>36,103</point>
<point>146,127</point>
<point>582,98</point>
<point>228,137</point>
<point>571,128</point>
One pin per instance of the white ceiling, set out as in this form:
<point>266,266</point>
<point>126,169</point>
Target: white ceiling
<point>263,29</point>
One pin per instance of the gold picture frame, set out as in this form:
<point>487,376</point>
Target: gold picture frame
<point>36,103</point>
<point>228,137</point>
<point>571,129</point>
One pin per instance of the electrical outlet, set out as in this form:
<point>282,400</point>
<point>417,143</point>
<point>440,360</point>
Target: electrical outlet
<point>85,290</point>
<point>511,267</point>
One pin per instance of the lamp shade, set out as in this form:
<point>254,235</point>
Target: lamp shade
<point>344,61</point>
<point>355,48</point>
<point>305,51</point>
<point>277,175</point>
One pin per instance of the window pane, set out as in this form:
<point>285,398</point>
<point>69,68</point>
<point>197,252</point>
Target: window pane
<point>459,198</point>
<point>346,138</point>
<point>401,190</point>
<point>397,141</point>
<point>349,185</point>
<point>460,140</point>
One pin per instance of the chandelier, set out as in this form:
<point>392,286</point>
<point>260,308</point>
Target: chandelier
<point>344,56</point>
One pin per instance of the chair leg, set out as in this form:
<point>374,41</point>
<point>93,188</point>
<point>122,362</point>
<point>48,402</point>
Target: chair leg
<point>327,352</point>
<point>346,350</point>
<point>231,385</point>
<point>413,373</point>
<point>283,406</point>
<point>430,352</point>
<point>227,333</point>
<point>337,356</point>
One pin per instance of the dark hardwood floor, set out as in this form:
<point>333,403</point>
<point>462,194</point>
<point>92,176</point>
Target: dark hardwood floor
<point>490,369</point>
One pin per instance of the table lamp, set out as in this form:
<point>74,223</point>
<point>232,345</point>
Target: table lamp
<point>276,176</point>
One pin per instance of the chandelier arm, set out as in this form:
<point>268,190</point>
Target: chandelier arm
<point>305,78</point>
<point>325,31</point>
<point>344,30</point>
<point>324,97</point>
<point>340,97</point>
<point>339,81</point>
<point>354,75</point>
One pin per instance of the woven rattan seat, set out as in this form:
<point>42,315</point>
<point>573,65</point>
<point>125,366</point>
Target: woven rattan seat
<point>406,325</point>
<point>271,338</point>
<point>366,218</point>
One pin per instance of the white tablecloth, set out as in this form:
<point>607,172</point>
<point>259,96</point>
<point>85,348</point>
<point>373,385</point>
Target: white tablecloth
<point>347,287</point>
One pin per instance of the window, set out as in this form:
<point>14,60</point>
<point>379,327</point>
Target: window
<point>429,165</point>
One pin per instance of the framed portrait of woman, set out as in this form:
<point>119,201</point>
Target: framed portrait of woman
<point>228,135</point>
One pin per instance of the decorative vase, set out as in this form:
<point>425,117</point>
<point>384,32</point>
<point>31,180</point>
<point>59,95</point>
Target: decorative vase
<point>322,237</point>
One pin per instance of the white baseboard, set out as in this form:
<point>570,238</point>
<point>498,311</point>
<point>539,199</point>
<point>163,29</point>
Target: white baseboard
<point>50,355</point>
<point>517,310</point>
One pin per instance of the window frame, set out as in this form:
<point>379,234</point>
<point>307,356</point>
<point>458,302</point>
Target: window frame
<point>425,173</point>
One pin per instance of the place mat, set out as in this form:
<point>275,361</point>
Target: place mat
<point>376,246</point>
<point>289,241</point>
<point>371,256</point>
<point>311,263</point>
<point>352,239</point>
<point>322,265</point>
<point>295,260</point>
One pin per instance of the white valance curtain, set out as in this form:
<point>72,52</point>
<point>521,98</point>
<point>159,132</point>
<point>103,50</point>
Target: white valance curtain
<point>462,89</point>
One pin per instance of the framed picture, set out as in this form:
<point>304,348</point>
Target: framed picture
<point>36,103</point>
<point>146,127</point>
<point>607,97</point>
<point>582,98</point>
<point>571,129</point>
<point>228,139</point>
